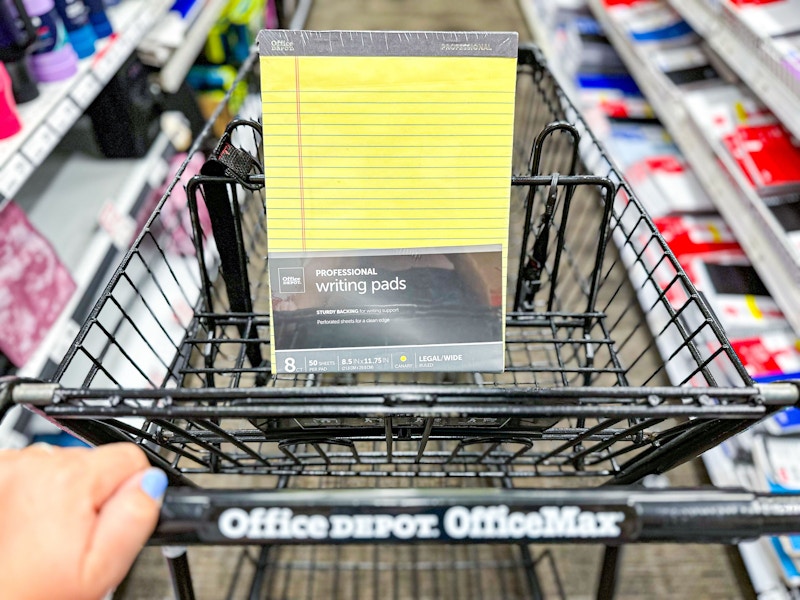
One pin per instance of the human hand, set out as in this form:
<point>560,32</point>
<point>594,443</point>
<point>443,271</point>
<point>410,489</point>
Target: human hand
<point>73,520</point>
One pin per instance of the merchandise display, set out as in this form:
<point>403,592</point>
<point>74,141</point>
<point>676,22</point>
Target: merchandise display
<point>17,35</point>
<point>787,212</point>
<point>98,18</point>
<point>9,118</point>
<point>653,23</point>
<point>667,183</point>
<point>169,33</point>
<point>52,57</point>
<point>771,18</point>
<point>34,285</point>
<point>685,65</point>
<point>80,32</point>
<point>199,355</point>
<point>733,288</point>
<point>51,116</point>
<point>753,143</point>
<point>764,151</point>
<point>125,114</point>
<point>771,356</point>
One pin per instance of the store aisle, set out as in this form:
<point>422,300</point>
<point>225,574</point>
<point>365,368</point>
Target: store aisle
<point>435,15</point>
<point>663,571</point>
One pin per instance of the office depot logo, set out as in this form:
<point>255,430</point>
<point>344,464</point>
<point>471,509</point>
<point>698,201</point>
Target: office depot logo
<point>456,523</point>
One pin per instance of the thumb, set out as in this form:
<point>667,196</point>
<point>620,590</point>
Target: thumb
<point>123,525</point>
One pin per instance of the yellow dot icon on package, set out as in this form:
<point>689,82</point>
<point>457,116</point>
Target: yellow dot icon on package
<point>403,358</point>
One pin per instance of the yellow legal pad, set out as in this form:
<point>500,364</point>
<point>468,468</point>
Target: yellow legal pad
<point>385,144</point>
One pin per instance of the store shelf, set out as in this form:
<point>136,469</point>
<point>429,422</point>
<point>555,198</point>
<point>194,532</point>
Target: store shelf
<point>764,574</point>
<point>46,119</point>
<point>93,233</point>
<point>762,238</point>
<point>174,70</point>
<point>536,23</point>
<point>753,58</point>
<point>300,15</point>
<point>622,235</point>
<point>98,227</point>
<point>755,227</point>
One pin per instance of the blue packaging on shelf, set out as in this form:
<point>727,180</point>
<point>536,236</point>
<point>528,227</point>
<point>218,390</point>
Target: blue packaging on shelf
<point>61,439</point>
<point>788,568</point>
<point>615,81</point>
<point>785,422</point>
<point>183,7</point>
<point>99,19</point>
<point>669,32</point>
<point>80,32</point>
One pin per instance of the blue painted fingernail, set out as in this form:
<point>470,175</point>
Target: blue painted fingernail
<point>154,483</point>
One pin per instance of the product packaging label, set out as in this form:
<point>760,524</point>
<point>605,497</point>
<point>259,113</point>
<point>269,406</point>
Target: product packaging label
<point>387,164</point>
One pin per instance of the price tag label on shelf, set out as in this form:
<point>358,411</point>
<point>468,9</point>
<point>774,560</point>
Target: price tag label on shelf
<point>63,117</point>
<point>39,145</point>
<point>107,66</point>
<point>112,58</point>
<point>125,46</point>
<point>158,173</point>
<point>86,90</point>
<point>138,26</point>
<point>14,174</point>
<point>119,226</point>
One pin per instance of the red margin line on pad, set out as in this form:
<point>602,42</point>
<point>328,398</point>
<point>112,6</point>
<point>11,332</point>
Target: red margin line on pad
<point>300,151</point>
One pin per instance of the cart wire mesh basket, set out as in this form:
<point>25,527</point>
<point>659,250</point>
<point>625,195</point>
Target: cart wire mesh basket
<point>175,355</point>
<point>175,358</point>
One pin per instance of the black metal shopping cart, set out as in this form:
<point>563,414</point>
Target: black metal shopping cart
<point>174,357</point>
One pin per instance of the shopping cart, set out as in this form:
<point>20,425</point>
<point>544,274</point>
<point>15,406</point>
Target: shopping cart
<point>174,357</point>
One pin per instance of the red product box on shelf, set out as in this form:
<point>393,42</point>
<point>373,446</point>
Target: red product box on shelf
<point>755,2</point>
<point>719,269</point>
<point>768,18</point>
<point>768,156</point>
<point>666,184</point>
<point>692,235</point>
<point>770,356</point>
<point>720,109</point>
<point>34,285</point>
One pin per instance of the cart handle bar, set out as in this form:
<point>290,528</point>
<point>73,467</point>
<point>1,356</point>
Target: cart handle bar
<point>602,515</point>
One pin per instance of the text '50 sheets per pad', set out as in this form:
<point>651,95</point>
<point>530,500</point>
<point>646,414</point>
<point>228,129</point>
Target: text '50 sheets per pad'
<point>387,160</point>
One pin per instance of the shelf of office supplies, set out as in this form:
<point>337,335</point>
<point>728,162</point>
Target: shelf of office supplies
<point>753,58</point>
<point>174,70</point>
<point>593,162</point>
<point>92,233</point>
<point>755,227</point>
<point>98,243</point>
<point>99,247</point>
<point>756,555</point>
<point>536,23</point>
<point>46,119</point>
<point>752,224</point>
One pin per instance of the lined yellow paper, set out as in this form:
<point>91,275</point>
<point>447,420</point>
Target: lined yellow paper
<point>387,152</point>
<point>387,142</point>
